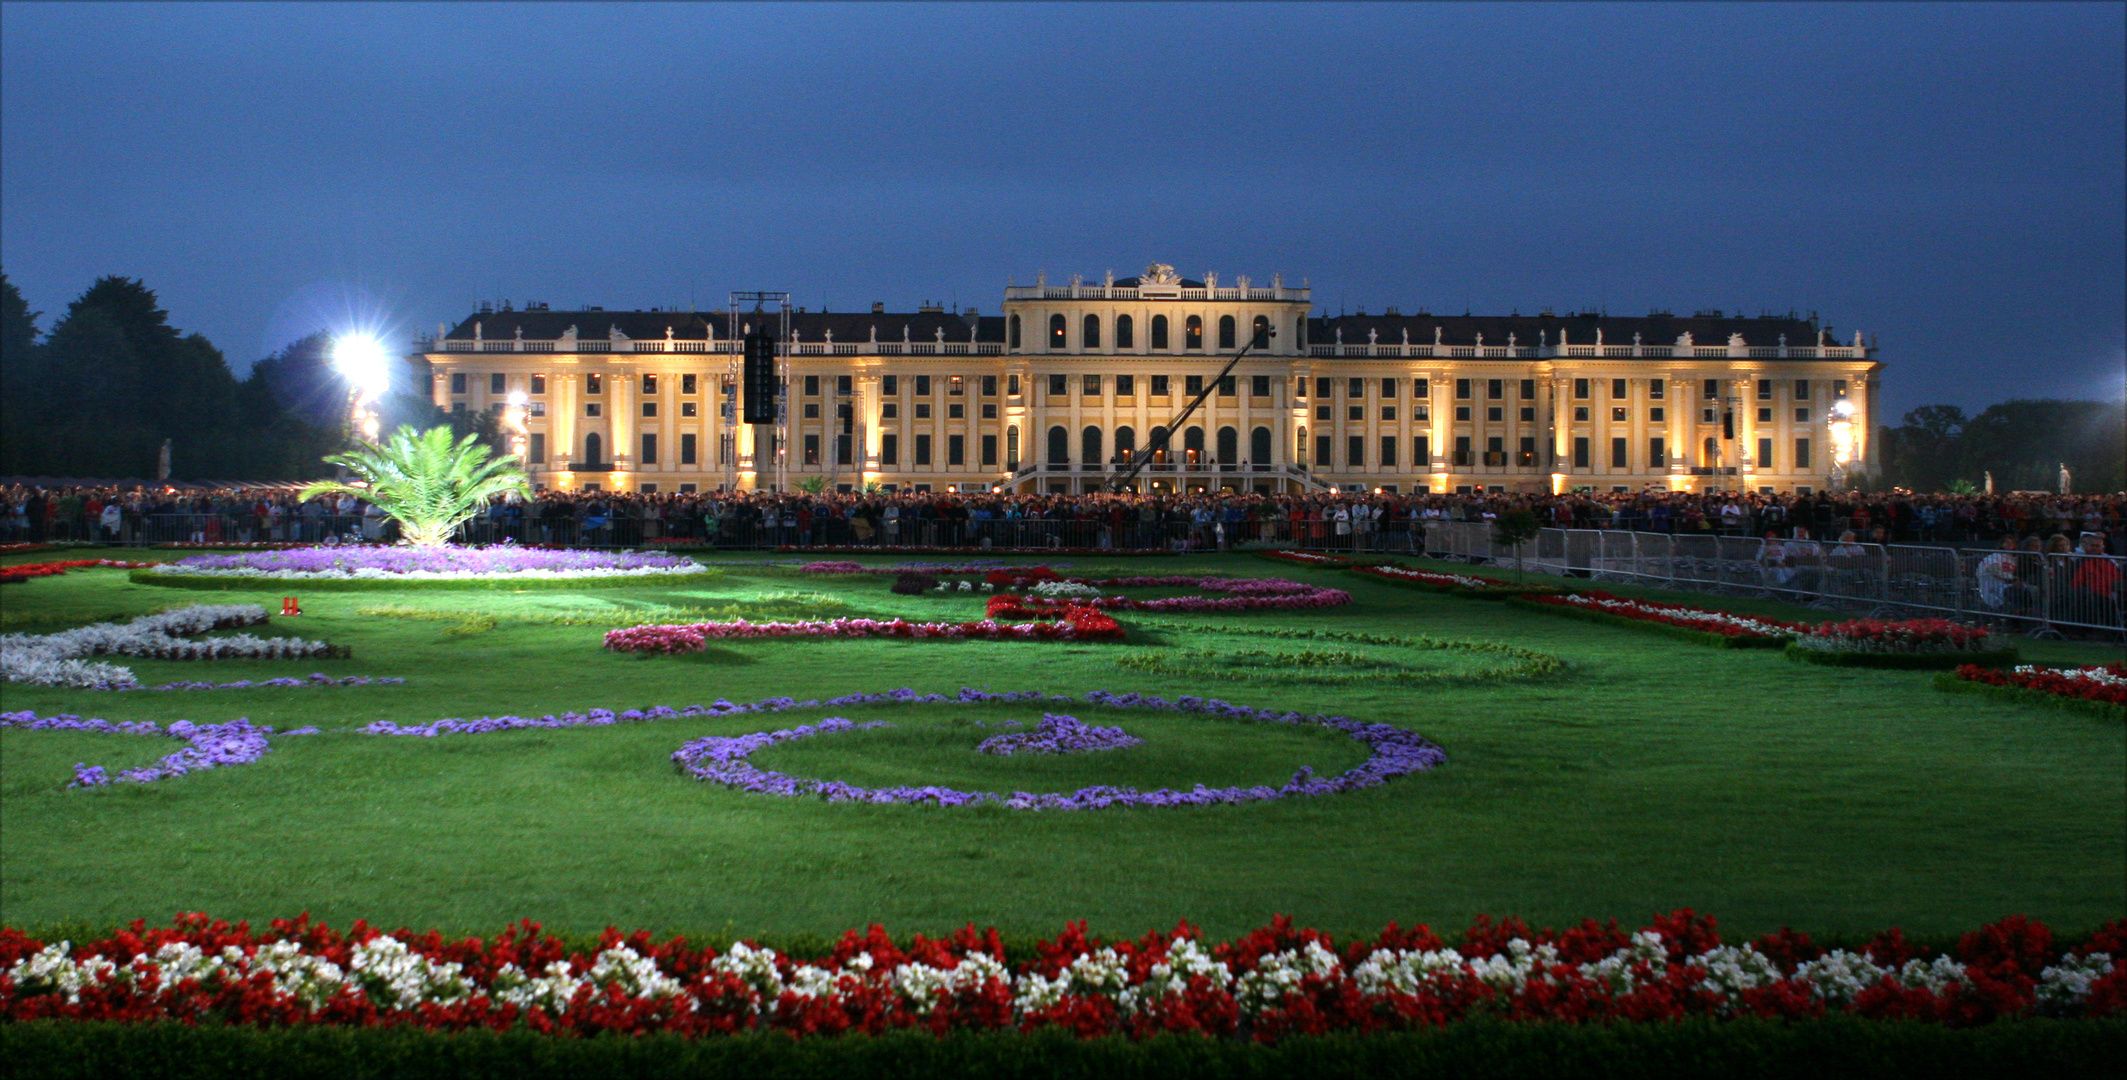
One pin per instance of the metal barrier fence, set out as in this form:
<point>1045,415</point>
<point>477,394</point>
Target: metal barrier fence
<point>2037,593</point>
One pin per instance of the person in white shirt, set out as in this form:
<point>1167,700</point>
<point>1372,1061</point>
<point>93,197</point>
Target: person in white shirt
<point>1996,577</point>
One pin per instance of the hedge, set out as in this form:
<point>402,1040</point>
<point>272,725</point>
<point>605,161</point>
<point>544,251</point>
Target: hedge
<point>1950,682</point>
<point>301,585</point>
<point>1702,637</point>
<point>1908,661</point>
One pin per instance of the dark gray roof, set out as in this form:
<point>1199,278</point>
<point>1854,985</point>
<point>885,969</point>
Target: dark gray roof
<point>1572,329</point>
<point>696,325</point>
<point>1132,282</point>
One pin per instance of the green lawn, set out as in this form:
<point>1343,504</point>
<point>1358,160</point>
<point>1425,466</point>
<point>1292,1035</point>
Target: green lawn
<point>1653,774</point>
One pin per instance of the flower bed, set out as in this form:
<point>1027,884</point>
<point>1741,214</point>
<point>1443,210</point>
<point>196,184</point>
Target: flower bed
<point>1304,558</point>
<point>207,746</point>
<point>1275,982</point>
<point>1467,585</point>
<point>11,575</point>
<point>720,759</point>
<point>335,568</point>
<point>1910,643</point>
<point>1717,628</point>
<point>941,549</point>
<point>1058,734</point>
<point>1077,624</point>
<point>1242,594</point>
<point>2101,689</point>
<point>58,659</point>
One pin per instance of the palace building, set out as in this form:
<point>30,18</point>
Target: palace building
<point>1062,391</point>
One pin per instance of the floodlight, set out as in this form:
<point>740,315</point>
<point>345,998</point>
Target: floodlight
<point>517,398</point>
<point>1843,409</point>
<point>362,361</point>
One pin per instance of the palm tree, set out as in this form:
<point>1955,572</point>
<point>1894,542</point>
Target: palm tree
<point>425,482</point>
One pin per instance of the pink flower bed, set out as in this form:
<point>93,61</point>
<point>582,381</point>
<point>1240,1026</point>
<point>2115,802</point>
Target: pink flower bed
<point>1241,594</point>
<point>1077,624</point>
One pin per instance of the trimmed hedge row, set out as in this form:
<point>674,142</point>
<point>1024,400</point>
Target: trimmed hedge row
<point>286,585</point>
<point>1685,633</point>
<point>1905,661</point>
<point>1880,1049</point>
<point>1949,681</point>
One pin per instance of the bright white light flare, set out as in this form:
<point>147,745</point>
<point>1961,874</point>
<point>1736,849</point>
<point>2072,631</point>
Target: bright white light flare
<point>362,361</point>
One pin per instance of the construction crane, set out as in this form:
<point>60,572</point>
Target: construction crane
<point>1142,458</point>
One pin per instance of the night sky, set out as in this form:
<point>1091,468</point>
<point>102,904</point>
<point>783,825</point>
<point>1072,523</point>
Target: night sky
<point>1952,180</point>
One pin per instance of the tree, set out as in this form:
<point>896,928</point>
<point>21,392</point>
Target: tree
<point>425,481</point>
<point>1515,528</point>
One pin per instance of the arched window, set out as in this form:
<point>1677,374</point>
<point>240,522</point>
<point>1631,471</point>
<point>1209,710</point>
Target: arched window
<point>1193,333</point>
<point>593,449</point>
<point>1229,446</point>
<point>1193,445</point>
<point>1091,338</point>
<point>1159,331</point>
<point>1159,444</point>
<point>1125,443</point>
<point>1301,432</point>
<point>1059,446</point>
<point>1713,450</point>
<point>1056,331</point>
<point>1089,446</point>
<point>1125,333</point>
<point>1261,333</point>
<point>1011,448</point>
<point>1225,331</point>
<point>1015,331</point>
<point>1259,446</point>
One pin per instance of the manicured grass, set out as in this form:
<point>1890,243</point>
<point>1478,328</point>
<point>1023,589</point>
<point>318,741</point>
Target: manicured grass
<point>1653,774</point>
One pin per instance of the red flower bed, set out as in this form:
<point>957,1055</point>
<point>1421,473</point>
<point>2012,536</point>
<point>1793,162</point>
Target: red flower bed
<point>2104,682</point>
<point>1595,601</point>
<point>1900,636</point>
<point>1277,981</point>
<point>12,574</point>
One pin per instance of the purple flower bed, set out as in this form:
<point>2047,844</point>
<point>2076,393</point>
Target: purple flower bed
<point>429,562</point>
<point>317,678</point>
<point>1059,734</point>
<point>207,746</point>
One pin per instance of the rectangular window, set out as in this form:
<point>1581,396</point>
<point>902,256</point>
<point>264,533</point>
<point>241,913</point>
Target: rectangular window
<point>1059,385</point>
<point>1388,451</point>
<point>843,449</point>
<point>956,449</point>
<point>1159,386</point>
<point>594,383</point>
<point>1091,385</point>
<point>1495,413</point>
<point>1012,385</point>
<point>1355,388</point>
<point>1528,389</point>
<point>1462,389</point>
<point>989,410</point>
<point>1655,388</point>
<point>1657,415</point>
<point>956,411</point>
<point>1421,451</point>
<point>1657,453</point>
<point>457,382</point>
<point>1388,388</point>
<point>1620,415</point>
<point>1801,454</point>
<point>649,408</point>
<point>1620,389</point>
<point>1580,389</point>
<point>539,384</point>
<point>889,385</point>
<point>923,450</point>
<point>687,448</point>
<point>689,384</point>
<point>590,408</point>
<point>1421,412</point>
<point>1764,389</point>
<point>1323,443</point>
<point>890,411</point>
<point>889,449</point>
<point>989,449</point>
<point>649,384</point>
<point>1321,388</point>
<point>1355,413</point>
<point>1802,415</point>
<point>496,383</point>
<point>1355,451</point>
<point>649,446</point>
<point>1388,414</point>
<point>1580,451</point>
<point>955,386</point>
<point>1495,389</point>
<point>1259,386</point>
<point>923,386</point>
<point>1618,452</point>
<point>1528,414</point>
<point>1325,412</point>
<point>536,450</point>
<point>1838,388</point>
<point>1462,450</point>
<point>1462,412</point>
<point>1528,450</point>
<point>812,449</point>
<point>812,410</point>
<point>689,408</point>
<point>845,385</point>
<point>1226,386</point>
<point>1580,414</point>
<point>1710,389</point>
<point>1765,416</point>
<point>1125,385</point>
<point>812,386</point>
<point>989,386</point>
<point>1705,416</point>
<point>1765,455</point>
<point>1421,388</point>
<point>1192,385</point>
<point>923,410</point>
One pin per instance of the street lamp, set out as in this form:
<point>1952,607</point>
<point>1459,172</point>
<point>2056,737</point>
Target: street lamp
<point>363,362</point>
<point>1841,426</point>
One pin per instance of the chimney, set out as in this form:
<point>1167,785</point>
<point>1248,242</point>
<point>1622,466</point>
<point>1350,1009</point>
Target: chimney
<point>878,307</point>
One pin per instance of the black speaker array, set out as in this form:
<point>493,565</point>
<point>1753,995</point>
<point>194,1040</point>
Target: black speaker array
<point>760,379</point>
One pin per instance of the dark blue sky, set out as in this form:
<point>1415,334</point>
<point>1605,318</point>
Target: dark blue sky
<point>1951,179</point>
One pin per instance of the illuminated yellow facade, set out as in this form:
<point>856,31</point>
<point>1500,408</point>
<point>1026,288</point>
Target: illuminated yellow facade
<point>1071,383</point>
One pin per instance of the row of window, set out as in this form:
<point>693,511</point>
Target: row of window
<point>1126,332</point>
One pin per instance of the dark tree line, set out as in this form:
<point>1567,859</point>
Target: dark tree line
<point>98,395</point>
<point>2023,443</point>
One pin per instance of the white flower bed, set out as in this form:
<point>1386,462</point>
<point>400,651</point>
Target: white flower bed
<point>1064,590</point>
<point>2097,675</point>
<point>58,659</point>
